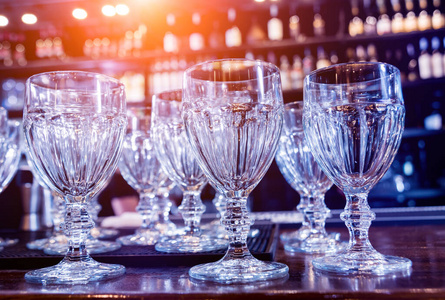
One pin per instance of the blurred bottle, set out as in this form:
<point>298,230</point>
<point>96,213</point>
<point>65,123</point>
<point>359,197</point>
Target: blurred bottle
<point>322,58</point>
<point>308,62</point>
<point>274,25</point>
<point>372,53</point>
<point>233,34</point>
<point>413,70</point>
<point>434,120</point>
<point>297,74</point>
<point>216,38</point>
<point>436,58</point>
<point>318,25</point>
<point>171,42</point>
<point>285,73</point>
<point>438,19</point>
<point>424,60</point>
<point>294,27</point>
<point>356,23</point>
<point>196,39</point>
<point>255,34</point>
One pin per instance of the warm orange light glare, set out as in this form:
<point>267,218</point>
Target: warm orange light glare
<point>80,13</point>
<point>122,9</point>
<point>259,0</point>
<point>3,21</point>
<point>108,10</point>
<point>29,19</point>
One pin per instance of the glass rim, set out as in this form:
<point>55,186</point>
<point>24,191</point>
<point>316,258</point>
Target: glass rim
<point>395,72</point>
<point>29,81</point>
<point>276,70</point>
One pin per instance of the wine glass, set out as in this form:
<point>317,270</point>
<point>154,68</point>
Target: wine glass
<point>142,170</point>
<point>10,152</point>
<point>284,165</point>
<point>180,165</point>
<point>353,120</point>
<point>310,181</point>
<point>233,114</point>
<point>74,125</point>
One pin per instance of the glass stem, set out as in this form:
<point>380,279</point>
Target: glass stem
<point>163,205</point>
<point>191,209</point>
<point>316,213</point>
<point>304,202</point>
<point>237,223</point>
<point>358,217</point>
<point>77,226</point>
<point>146,209</point>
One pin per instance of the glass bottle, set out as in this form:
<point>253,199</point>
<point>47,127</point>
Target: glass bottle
<point>294,27</point>
<point>322,59</point>
<point>318,25</point>
<point>413,72</point>
<point>233,34</point>
<point>170,40</point>
<point>424,60</point>
<point>436,58</point>
<point>255,34</point>
<point>274,25</point>
<point>196,39</point>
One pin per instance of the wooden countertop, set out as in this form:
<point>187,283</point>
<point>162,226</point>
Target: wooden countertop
<point>423,243</point>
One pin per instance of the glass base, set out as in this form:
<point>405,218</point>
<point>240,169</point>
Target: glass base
<point>75,272</point>
<point>142,237</point>
<point>103,233</point>
<point>166,228</point>
<point>94,246</point>
<point>239,270</point>
<point>295,236</point>
<point>361,263</point>
<point>317,244</point>
<point>190,244</point>
<point>8,242</point>
<point>41,244</point>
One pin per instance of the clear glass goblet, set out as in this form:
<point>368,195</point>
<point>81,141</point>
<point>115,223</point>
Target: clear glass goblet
<point>180,165</point>
<point>310,180</point>
<point>284,165</point>
<point>353,120</point>
<point>233,114</point>
<point>74,125</point>
<point>10,153</point>
<point>142,170</point>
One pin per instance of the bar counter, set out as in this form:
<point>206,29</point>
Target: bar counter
<point>419,238</point>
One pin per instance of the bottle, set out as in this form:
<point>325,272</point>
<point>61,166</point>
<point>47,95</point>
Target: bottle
<point>318,25</point>
<point>434,120</point>
<point>438,19</point>
<point>410,24</point>
<point>285,73</point>
<point>436,58</point>
<point>297,75</point>
<point>424,60</point>
<point>413,72</point>
<point>361,53</point>
<point>424,21</point>
<point>255,34</point>
<point>370,27</point>
<point>274,25</point>
<point>196,39</point>
<point>294,27</point>
<point>233,34</point>
<point>308,62</point>
<point>372,53</point>
<point>397,23</point>
<point>216,38</point>
<point>355,26</point>
<point>171,43</point>
<point>322,59</point>
<point>383,25</point>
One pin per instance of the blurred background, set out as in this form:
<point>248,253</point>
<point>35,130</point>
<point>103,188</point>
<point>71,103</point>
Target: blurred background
<point>149,43</point>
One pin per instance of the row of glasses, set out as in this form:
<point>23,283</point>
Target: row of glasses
<point>224,128</point>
